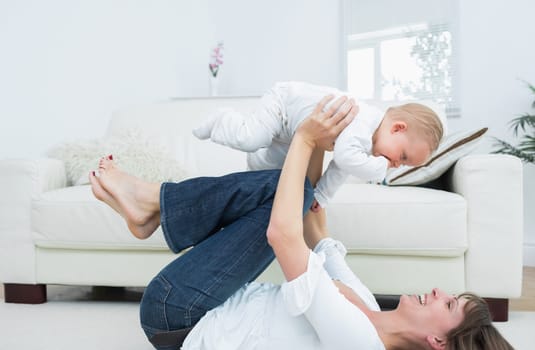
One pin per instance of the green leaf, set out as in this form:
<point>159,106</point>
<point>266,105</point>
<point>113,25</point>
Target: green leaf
<point>532,88</point>
<point>507,148</point>
<point>522,122</point>
<point>526,145</point>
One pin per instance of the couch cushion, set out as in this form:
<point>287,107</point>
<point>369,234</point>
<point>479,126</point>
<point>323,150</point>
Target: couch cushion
<point>376,219</point>
<point>72,217</point>
<point>370,219</point>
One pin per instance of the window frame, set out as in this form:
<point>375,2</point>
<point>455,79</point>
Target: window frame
<point>374,39</point>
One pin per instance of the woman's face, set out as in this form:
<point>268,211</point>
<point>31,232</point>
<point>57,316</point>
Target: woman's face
<point>435,313</point>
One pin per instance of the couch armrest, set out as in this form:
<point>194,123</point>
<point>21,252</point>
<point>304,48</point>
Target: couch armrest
<point>492,187</point>
<point>21,181</point>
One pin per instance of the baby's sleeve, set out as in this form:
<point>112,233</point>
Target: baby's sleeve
<point>329,183</point>
<point>352,157</point>
<point>337,268</point>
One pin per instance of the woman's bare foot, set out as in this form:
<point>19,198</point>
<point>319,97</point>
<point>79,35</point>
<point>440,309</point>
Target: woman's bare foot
<point>100,193</point>
<point>137,201</point>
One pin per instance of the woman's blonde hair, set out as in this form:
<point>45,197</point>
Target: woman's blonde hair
<point>423,118</point>
<point>476,331</point>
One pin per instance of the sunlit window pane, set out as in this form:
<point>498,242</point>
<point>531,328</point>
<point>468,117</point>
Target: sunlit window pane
<point>415,52</point>
<point>360,68</point>
<point>417,67</point>
<point>399,69</point>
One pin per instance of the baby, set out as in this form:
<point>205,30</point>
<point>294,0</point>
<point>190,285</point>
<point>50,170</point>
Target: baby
<point>373,142</point>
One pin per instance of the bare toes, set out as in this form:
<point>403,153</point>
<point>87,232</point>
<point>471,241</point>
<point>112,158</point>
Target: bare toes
<point>97,189</point>
<point>106,162</point>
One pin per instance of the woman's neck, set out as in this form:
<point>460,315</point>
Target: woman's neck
<point>391,328</point>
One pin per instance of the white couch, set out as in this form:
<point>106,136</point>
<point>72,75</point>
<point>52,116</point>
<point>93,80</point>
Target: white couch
<point>467,236</point>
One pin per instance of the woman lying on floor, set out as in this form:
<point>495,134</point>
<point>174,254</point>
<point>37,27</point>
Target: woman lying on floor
<point>236,225</point>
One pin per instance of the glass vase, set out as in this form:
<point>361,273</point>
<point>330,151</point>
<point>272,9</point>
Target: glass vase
<point>214,85</point>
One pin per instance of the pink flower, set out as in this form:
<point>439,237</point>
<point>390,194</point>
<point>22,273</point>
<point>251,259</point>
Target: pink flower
<point>216,59</point>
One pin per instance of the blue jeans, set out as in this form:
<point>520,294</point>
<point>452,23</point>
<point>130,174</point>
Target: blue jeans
<point>224,219</point>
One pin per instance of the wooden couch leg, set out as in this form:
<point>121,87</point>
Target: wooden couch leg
<point>499,309</point>
<point>25,293</point>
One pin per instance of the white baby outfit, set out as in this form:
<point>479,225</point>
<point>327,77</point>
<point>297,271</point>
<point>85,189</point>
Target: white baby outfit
<point>267,134</point>
<point>306,313</point>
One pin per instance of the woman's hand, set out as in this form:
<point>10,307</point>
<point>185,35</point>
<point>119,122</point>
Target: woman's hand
<point>321,128</point>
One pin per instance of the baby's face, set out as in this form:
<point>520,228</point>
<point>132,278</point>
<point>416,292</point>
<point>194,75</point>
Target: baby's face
<point>401,147</point>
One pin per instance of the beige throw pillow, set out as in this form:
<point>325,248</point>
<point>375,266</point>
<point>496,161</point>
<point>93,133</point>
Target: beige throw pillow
<point>132,151</point>
<point>449,151</point>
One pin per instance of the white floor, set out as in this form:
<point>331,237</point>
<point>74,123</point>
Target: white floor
<point>75,319</point>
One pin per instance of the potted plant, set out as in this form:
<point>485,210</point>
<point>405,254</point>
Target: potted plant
<point>523,126</point>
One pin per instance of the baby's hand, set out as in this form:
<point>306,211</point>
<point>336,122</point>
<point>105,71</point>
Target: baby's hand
<point>315,206</point>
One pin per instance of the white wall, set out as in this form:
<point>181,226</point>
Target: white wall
<point>496,54</point>
<point>65,65</point>
<point>269,41</point>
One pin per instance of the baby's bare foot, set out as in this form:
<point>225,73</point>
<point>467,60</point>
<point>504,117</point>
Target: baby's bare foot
<point>137,201</point>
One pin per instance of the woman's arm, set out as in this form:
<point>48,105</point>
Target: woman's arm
<point>315,230</point>
<point>285,231</point>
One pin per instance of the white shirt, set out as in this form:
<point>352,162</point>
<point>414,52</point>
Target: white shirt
<point>306,313</point>
<point>353,147</point>
<point>352,155</point>
<point>268,131</point>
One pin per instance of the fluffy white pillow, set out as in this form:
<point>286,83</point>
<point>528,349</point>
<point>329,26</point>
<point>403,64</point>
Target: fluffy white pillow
<point>132,151</point>
<point>448,152</point>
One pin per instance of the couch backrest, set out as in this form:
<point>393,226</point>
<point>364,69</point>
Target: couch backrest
<point>170,123</point>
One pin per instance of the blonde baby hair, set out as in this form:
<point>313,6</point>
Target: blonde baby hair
<point>423,118</point>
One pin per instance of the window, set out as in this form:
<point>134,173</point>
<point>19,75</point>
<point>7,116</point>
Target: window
<point>409,55</point>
